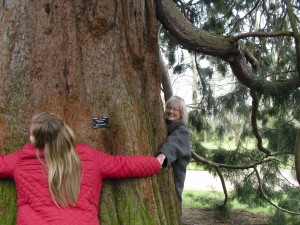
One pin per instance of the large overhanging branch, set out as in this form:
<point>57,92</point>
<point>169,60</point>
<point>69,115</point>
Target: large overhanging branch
<point>189,36</point>
<point>226,48</point>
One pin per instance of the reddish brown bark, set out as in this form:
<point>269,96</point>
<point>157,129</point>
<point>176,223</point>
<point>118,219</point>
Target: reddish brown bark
<point>85,59</point>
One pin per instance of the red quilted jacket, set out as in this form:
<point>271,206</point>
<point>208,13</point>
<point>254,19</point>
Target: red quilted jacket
<point>35,205</point>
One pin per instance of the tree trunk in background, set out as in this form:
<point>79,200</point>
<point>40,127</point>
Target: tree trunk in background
<point>195,83</point>
<point>297,156</point>
<point>85,59</point>
<point>165,80</point>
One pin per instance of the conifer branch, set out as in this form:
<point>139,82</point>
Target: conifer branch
<point>223,186</point>
<point>254,123</point>
<point>266,197</point>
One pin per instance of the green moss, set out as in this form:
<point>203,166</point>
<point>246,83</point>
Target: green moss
<point>149,129</point>
<point>125,203</point>
<point>158,200</point>
<point>8,202</point>
<point>108,212</point>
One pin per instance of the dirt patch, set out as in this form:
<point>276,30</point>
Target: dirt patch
<point>201,216</point>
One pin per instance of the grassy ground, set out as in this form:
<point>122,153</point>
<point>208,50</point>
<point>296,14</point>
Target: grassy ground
<point>212,199</point>
<point>201,208</point>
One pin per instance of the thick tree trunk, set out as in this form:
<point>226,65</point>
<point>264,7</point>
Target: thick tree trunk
<point>85,59</point>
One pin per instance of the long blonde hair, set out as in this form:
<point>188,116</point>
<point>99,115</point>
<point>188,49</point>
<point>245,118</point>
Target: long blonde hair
<point>57,140</point>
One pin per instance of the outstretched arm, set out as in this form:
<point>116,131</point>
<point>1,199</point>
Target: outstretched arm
<point>8,164</point>
<point>127,166</point>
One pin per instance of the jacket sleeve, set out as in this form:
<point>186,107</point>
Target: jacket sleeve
<point>176,146</point>
<point>127,166</point>
<point>8,164</point>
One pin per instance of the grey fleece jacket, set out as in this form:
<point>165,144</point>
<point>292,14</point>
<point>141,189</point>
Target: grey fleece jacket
<point>177,150</point>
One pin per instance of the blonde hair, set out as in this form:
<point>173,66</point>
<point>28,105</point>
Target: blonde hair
<point>178,102</point>
<point>57,139</point>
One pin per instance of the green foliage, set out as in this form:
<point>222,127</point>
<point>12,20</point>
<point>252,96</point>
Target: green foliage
<point>247,194</point>
<point>196,125</point>
<point>279,218</point>
<point>170,46</point>
<point>275,55</point>
<point>283,131</point>
<point>207,72</point>
<point>198,148</point>
<point>222,69</point>
<point>179,68</point>
<point>215,25</point>
<point>224,157</point>
<point>290,202</point>
<point>234,101</point>
<point>196,120</point>
<point>224,114</point>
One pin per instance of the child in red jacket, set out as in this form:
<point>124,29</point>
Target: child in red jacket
<point>59,182</point>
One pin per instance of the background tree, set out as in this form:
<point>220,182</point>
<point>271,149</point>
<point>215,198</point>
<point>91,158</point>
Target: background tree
<point>85,59</point>
<point>256,43</point>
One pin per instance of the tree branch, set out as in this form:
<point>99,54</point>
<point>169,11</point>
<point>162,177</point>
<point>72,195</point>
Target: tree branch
<point>199,158</point>
<point>223,186</point>
<point>254,123</point>
<point>243,73</point>
<point>189,36</point>
<point>266,197</point>
<point>226,48</point>
<point>250,58</point>
<point>217,167</point>
<point>166,83</point>
<point>253,9</point>
<point>294,25</point>
<point>203,82</point>
<point>263,34</point>
<point>165,77</point>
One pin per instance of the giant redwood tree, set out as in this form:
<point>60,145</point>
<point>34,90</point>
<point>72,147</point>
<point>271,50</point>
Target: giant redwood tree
<point>83,59</point>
